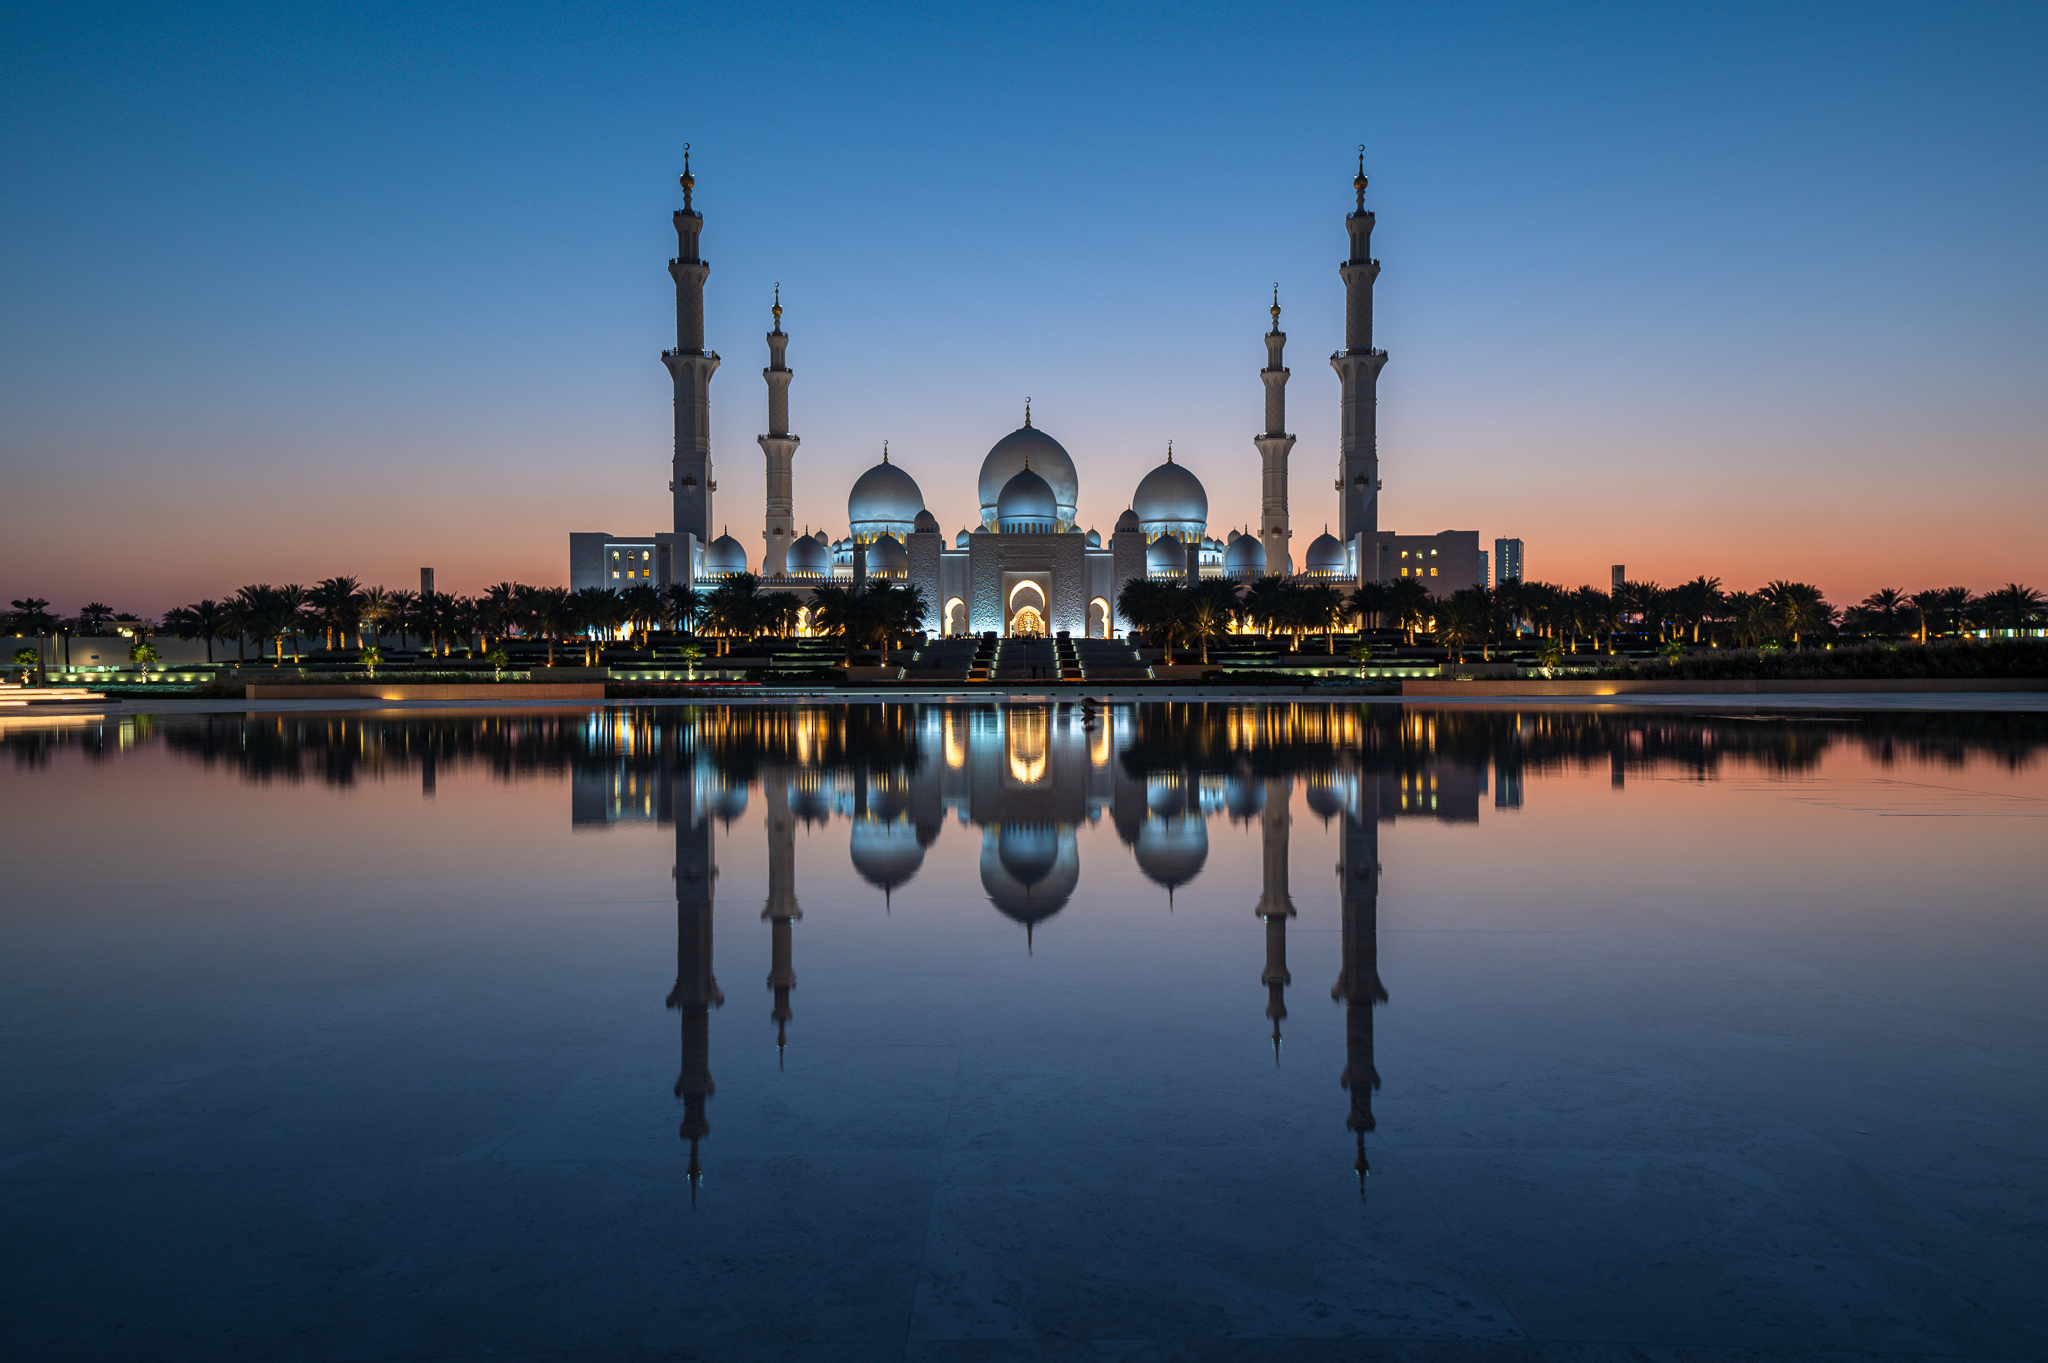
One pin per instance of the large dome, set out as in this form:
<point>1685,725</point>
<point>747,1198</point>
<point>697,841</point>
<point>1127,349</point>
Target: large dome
<point>1171,501</point>
<point>1027,505</point>
<point>724,555</point>
<point>885,501</point>
<point>1326,555</point>
<point>1245,557</point>
<point>808,558</point>
<point>1029,871</point>
<point>1047,458</point>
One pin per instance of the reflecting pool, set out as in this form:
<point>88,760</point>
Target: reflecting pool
<point>1024,1031</point>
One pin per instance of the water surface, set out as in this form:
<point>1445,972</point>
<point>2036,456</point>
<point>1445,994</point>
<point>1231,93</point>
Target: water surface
<point>1163,1031</point>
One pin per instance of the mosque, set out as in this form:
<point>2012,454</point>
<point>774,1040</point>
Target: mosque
<point>1027,567</point>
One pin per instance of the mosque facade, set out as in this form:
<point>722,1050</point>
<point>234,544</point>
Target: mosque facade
<point>1027,567</point>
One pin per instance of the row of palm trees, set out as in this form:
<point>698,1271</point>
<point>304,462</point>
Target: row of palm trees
<point>285,618</point>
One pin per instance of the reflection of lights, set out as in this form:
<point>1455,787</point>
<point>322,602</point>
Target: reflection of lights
<point>1030,733</point>
<point>954,729</point>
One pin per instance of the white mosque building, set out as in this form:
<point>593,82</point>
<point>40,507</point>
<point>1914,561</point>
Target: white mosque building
<point>1028,567</point>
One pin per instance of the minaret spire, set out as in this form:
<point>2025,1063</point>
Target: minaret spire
<point>1358,367</point>
<point>691,366</point>
<point>782,908</point>
<point>779,447</point>
<point>696,990</point>
<point>1274,446</point>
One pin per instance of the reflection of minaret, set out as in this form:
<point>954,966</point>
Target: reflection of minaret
<point>1276,906</point>
<point>696,992</point>
<point>780,448</point>
<point>1358,984</point>
<point>782,908</point>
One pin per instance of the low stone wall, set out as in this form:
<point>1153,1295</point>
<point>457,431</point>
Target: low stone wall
<point>511,693</point>
<point>1802,687</point>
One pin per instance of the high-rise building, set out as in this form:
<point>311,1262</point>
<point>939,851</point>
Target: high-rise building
<point>1618,575</point>
<point>1507,561</point>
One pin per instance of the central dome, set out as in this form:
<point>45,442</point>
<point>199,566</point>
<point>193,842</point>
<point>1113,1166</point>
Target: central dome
<point>1027,505</point>
<point>1046,457</point>
<point>885,501</point>
<point>1171,501</point>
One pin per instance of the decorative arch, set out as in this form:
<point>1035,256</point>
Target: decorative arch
<point>953,619</point>
<point>1098,618</point>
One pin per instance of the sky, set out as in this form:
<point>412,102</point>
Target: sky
<point>288,292</point>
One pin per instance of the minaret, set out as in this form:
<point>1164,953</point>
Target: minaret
<point>781,909</point>
<point>1273,448</point>
<point>1276,905</point>
<point>691,365</point>
<point>780,447</point>
<point>696,992</point>
<point>1358,985</point>
<point>1358,366</point>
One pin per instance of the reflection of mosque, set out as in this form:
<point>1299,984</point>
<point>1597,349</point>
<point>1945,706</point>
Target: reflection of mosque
<point>1027,778</point>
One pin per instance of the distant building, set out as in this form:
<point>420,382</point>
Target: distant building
<point>1507,561</point>
<point>1484,570</point>
<point>1619,574</point>
<point>1447,561</point>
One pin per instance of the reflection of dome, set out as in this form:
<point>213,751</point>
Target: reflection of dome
<point>808,558</point>
<point>888,558</point>
<point>1046,456</point>
<point>1166,555</point>
<point>1170,501</point>
<point>1029,870</point>
<point>1245,557</point>
<point>811,804</point>
<point>1171,852</point>
<point>1325,555</point>
<point>1027,505</point>
<point>925,524</point>
<point>724,555</point>
<point>1127,524</point>
<point>1323,796</point>
<point>729,802</point>
<point>1094,539</point>
<point>886,854</point>
<point>1244,796</point>
<point>885,501</point>
<point>1166,796</point>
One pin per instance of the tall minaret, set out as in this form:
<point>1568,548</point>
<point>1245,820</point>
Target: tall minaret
<point>780,447</point>
<point>1358,365</point>
<point>1276,905</point>
<point>1273,448</point>
<point>691,365</point>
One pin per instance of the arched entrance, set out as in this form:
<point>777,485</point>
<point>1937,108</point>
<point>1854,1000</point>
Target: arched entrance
<point>1098,618</point>
<point>955,623</point>
<point>1026,609</point>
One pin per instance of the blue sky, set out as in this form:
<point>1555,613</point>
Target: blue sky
<point>1753,291</point>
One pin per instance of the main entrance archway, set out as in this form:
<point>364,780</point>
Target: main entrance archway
<point>1026,609</point>
<point>1027,623</point>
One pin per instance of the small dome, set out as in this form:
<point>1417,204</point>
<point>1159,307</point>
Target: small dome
<point>925,524</point>
<point>1235,536</point>
<point>886,854</point>
<point>960,540</point>
<point>1094,539</point>
<point>1245,557</point>
<point>1127,524</point>
<point>885,501</point>
<point>1326,555</point>
<point>1027,505</point>
<point>724,555</point>
<point>1170,501</point>
<point>1172,852</point>
<point>1166,555</point>
<point>1028,446</point>
<point>808,558</point>
<point>888,558</point>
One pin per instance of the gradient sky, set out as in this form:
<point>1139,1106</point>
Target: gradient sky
<point>1751,291</point>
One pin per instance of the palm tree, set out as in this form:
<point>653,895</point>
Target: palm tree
<point>1593,613</point>
<point>1409,605</point>
<point>400,608</point>
<point>208,620</point>
<point>337,603</point>
<point>1799,607</point>
<point>1321,606</point>
<point>1368,604</point>
<point>2018,607</point>
<point>376,610</point>
<point>1692,602</point>
<point>836,610</point>
<point>1265,603</point>
<point>1463,619</point>
<point>1886,605</point>
<point>682,605</point>
<point>1942,609</point>
<point>497,610</point>
<point>643,608</point>
<point>549,610</point>
<point>93,617</point>
<point>777,612</point>
<point>594,612</point>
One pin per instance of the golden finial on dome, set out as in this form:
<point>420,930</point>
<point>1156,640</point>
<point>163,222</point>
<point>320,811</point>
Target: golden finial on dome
<point>885,451</point>
<point>1169,451</point>
<point>777,309</point>
<point>1027,414</point>
<point>1276,307</point>
<point>689,181</point>
<point>1358,182</point>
